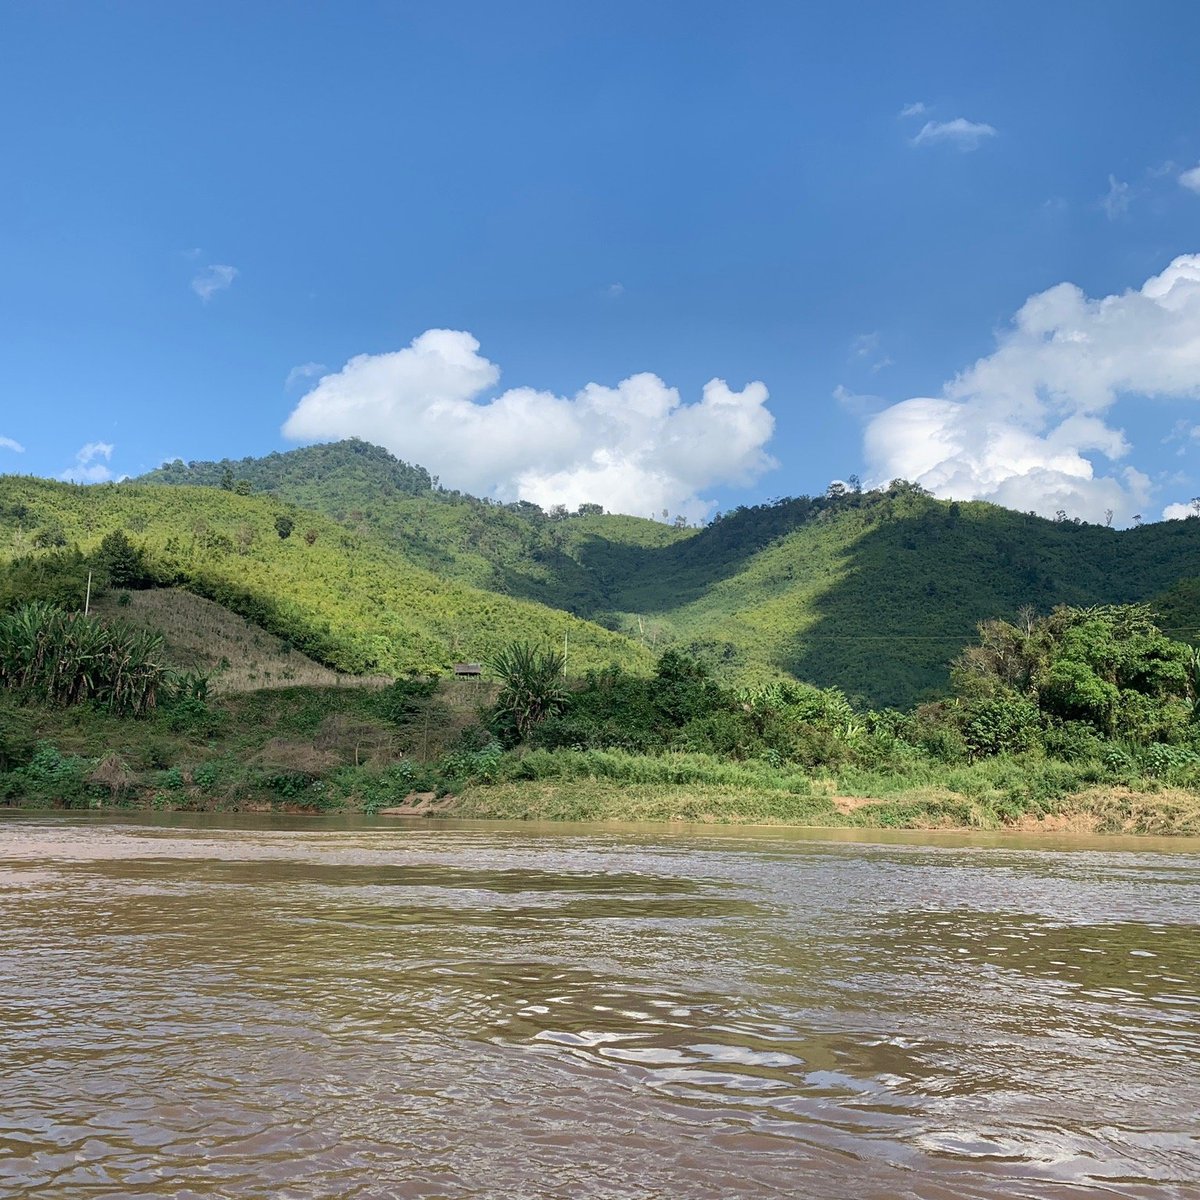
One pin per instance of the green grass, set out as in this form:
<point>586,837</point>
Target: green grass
<point>1161,811</point>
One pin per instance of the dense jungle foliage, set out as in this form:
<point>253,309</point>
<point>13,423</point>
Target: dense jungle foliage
<point>1073,684</point>
<point>873,592</point>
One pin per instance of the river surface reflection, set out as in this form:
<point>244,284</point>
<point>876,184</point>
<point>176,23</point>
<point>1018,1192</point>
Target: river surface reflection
<point>281,1008</point>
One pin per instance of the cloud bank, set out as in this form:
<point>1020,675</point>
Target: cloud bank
<point>7,443</point>
<point>1019,426</point>
<point>634,448</point>
<point>91,464</point>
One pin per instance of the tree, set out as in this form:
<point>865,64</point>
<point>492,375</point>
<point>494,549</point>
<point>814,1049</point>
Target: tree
<point>284,526</point>
<point>1109,667</point>
<point>50,537</point>
<point>531,687</point>
<point>122,562</point>
<point>243,487</point>
<point>227,479</point>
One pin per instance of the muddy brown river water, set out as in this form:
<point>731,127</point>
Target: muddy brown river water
<point>258,1007</point>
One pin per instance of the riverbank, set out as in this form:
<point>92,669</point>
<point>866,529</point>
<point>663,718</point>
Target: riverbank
<point>408,750</point>
<point>1169,811</point>
<point>1166,812</point>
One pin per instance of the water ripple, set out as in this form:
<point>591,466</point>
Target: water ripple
<point>360,1012</point>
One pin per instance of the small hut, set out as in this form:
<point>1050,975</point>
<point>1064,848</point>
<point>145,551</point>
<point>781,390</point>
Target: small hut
<point>465,670</point>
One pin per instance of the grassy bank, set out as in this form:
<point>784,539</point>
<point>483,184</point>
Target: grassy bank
<point>1167,811</point>
<point>337,749</point>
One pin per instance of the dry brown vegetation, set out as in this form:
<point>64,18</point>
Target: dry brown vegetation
<point>236,655</point>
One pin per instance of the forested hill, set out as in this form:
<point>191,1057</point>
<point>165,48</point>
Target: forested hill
<point>320,477</point>
<point>874,592</point>
<point>344,597</point>
<point>515,549</point>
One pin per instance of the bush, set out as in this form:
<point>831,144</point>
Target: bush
<point>16,737</point>
<point>205,776</point>
<point>473,766</point>
<point>1002,724</point>
<point>1073,742</point>
<point>405,701</point>
<point>1167,762</point>
<point>50,777</point>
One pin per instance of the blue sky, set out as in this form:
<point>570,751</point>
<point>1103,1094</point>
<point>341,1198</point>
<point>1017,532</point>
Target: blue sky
<point>209,210</point>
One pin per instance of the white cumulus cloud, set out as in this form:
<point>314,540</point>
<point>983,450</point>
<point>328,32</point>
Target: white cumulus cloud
<point>918,109</point>
<point>634,447</point>
<point>959,133</point>
<point>1179,512</point>
<point>91,464</point>
<point>1191,179</point>
<point>214,278</point>
<point>1021,427</point>
<point>7,443</point>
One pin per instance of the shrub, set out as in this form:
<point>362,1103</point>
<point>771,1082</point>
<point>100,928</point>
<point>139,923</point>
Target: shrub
<point>405,700</point>
<point>206,775</point>
<point>999,725</point>
<point>55,778</point>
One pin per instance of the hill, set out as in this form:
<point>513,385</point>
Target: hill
<point>513,549</point>
<point>235,655</point>
<point>877,593</point>
<point>873,592</point>
<point>345,598</point>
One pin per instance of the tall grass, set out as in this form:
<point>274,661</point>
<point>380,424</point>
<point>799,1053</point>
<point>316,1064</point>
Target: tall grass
<point>64,659</point>
<point>661,770</point>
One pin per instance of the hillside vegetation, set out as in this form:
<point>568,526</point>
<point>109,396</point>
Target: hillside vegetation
<point>516,550</point>
<point>872,592</point>
<point>345,598</point>
<point>202,637</point>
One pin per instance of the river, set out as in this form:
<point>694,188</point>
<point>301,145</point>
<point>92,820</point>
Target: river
<point>281,1007</point>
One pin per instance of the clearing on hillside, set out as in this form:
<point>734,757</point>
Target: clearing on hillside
<point>236,655</point>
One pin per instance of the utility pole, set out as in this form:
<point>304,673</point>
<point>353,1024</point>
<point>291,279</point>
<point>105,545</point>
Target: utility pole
<point>87,600</point>
<point>566,634</point>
